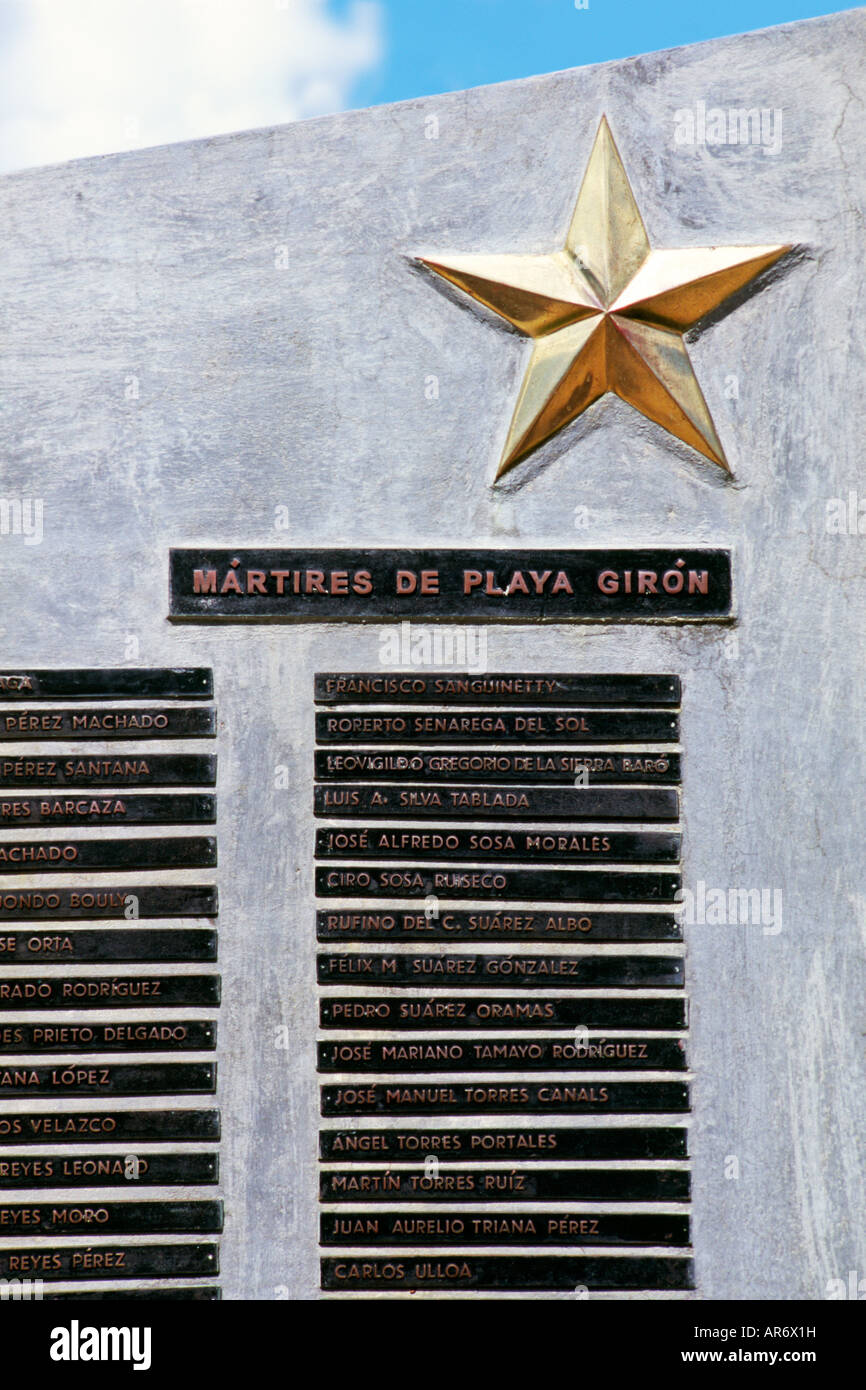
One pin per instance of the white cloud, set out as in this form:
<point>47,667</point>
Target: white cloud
<point>83,77</point>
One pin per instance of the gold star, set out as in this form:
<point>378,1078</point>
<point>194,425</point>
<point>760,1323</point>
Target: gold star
<point>607,313</point>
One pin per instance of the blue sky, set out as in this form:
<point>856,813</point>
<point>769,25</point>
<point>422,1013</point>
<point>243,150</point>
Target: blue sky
<point>436,47</point>
<point>87,77</point>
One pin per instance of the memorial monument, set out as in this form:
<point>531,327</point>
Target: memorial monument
<point>430,728</point>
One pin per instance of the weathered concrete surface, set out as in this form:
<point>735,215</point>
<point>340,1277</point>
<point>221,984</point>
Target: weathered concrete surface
<point>196,336</point>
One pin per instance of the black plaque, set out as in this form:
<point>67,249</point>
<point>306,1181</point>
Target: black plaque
<point>109,1127</point>
<point>496,726</point>
<point>502,1054</point>
<point>80,946</point>
<point>504,972</point>
<point>111,809</point>
<point>59,1170</point>
<point>108,991</point>
<point>508,845</point>
<point>175,1035</point>
<point>111,1218</point>
<point>505,1185</point>
<point>110,1262</point>
<point>509,924</point>
<point>557,1097</point>
<point>196,1293</point>
<point>85,856</point>
<point>126,683</point>
<point>489,766</point>
<point>512,885</point>
<point>79,904</point>
<point>118,770</point>
<point>431,1013</point>
<point>494,688</point>
<point>504,803</point>
<point>527,1273</point>
<point>528,585</point>
<point>87,1078</point>
<point>520,1142</point>
<point>33,725</point>
<point>525,1228</point>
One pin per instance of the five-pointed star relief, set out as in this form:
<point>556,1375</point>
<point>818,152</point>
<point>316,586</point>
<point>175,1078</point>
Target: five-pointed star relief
<point>607,313</point>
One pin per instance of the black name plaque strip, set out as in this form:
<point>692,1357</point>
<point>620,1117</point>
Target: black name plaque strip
<point>491,1273</point>
<point>193,1294</point>
<point>535,1228</point>
<point>489,766</point>
<point>557,1097</point>
<point>521,885</point>
<point>500,726</point>
<point>40,725</point>
<point>495,803</point>
<point>110,1262</point>
<point>126,683</point>
<point>109,1170</point>
<point>453,1145</point>
<point>528,688</point>
<point>540,585</point>
<point>503,1054</point>
<point>480,1012</point>
<point>502,846</point>
<point>574,972</point>
<point>109,991</point>
<point>109,1127</point>
<point>65,856</point>
<point>87,1078</point>
<point>507,925</point>
<point>80,946</point>
<point>110,809</point>
<point>149,770</point>
<point>505,1185</point>
<point>111,1218</point>
<point>191,1035</point>
<point>77,904</point>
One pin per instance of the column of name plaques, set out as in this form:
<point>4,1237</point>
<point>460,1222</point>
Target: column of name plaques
<point>501,984</point>
<point>108,996</point>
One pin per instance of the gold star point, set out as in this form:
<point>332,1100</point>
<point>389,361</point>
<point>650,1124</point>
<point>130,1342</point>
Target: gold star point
<point>607,313</point>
